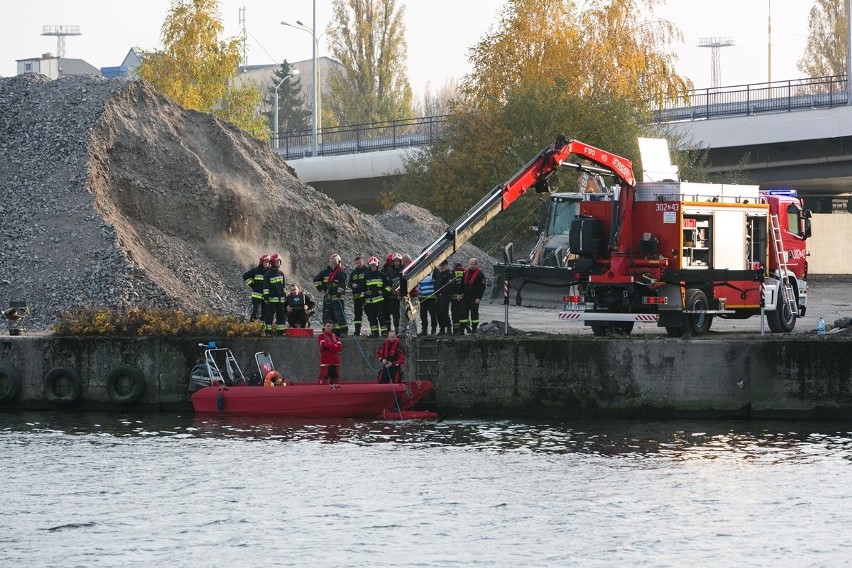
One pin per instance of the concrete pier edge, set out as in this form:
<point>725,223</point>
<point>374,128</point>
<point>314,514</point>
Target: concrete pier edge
<point>547,376</point>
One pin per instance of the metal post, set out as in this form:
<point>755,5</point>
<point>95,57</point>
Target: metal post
<point>848,52</point>
<point>508,276</point>
<point>275,119</point>
<point>316,85</point>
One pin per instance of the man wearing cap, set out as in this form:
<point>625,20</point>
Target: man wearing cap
<point>254,280</point>
<point>377,290</point>
<point>332,282</point>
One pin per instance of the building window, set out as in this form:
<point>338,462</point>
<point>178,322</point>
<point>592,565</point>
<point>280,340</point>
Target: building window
<point>28,67</point>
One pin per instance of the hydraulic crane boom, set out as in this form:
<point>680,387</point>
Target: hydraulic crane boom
<point>534,174</point>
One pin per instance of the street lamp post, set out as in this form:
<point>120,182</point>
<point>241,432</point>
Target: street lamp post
<point>275,107</point>
<point>316,108</point>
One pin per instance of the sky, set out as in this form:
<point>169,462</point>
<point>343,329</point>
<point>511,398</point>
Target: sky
<point>439,33</point>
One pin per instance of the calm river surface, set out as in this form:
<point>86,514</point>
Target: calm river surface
<point>174,490</point>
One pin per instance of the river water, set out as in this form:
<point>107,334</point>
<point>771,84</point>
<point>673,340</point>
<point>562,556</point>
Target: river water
<point>176,490</point>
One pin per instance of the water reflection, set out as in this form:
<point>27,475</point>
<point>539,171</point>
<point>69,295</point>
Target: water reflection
<point>766,442</point>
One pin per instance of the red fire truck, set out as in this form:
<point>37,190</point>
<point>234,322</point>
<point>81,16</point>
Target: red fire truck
<point>674,253</point>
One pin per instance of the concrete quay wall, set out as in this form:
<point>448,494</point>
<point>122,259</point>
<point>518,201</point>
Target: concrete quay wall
<point>489,376</point>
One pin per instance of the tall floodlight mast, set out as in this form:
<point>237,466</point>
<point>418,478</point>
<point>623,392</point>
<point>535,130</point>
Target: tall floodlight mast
<point>715,43</point>
<point>61,32</point>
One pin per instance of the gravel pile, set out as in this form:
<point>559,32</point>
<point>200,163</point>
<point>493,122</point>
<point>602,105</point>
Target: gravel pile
<point>112,196</point>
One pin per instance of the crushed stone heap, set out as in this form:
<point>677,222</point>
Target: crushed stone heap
<point>115,197</point>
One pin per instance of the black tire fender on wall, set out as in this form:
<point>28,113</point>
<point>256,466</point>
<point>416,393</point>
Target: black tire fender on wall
<point>10,383</point>
<point>125,384</point>
<point>55,379</point>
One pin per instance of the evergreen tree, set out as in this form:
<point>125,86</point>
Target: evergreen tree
<point>293,112</point>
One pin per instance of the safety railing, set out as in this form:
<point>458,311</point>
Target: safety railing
<point>745,100</point>
<point>714,102</point>
<point>357,138</point>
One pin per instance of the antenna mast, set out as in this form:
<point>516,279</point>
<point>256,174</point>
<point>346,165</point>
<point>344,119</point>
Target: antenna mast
<point>60,32</point>
<point>243,36</point>
<point>714,43</point>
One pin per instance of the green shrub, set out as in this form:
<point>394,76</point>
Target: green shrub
<point>152,323</point>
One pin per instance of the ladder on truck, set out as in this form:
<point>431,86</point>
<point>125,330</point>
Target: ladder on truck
<point>787,293</point>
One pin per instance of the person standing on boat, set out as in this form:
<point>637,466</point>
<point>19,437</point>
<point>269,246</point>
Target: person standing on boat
<point>274,293</point>
<point>254,281</point>
<point>473,289</point>
<point>377,289</point>
<point>299,306</point>
<point>392,358</point>
<point>332,282</point>
<point>330,347</point>
<point>356,284</point>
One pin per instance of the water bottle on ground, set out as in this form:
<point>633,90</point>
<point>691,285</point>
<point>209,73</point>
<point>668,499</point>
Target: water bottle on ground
<point>821,328</point>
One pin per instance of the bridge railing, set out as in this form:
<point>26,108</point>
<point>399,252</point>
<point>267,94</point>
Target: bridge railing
<point>352,139</point>
<point>737,100</point>
<point>744,100</point>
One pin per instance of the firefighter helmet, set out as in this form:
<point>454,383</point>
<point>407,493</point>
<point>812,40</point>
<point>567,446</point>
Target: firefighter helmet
<point>373,260</point>
<point>389,258</point>
<point>275,260</point>
<point>396,256</point>
<point>264,258</point>
<point>334,259</point>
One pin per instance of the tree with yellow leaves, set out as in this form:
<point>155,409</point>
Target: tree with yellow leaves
<point>825,53</point>
<point>371,85</point>
<point>196,70</point>
<point>549,67</point>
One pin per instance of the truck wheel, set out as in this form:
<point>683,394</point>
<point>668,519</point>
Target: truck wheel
<point>623,328</point>
<point>781,320</point>
<point>600,330</point>
<point>697,324</point>
<point>674,331</point>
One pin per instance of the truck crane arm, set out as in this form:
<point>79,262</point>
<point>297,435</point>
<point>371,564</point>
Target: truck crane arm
<point>535,174</point>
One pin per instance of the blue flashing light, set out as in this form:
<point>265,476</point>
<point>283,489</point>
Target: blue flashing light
<point>781,192</point>
<point>211,345</point>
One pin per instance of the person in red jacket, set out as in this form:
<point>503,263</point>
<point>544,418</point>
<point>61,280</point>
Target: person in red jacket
<point>392,358</point>
<point>330,348</point>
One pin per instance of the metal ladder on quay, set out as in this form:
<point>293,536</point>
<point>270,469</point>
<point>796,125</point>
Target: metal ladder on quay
<point>425,362</point>
<point>787,293</point>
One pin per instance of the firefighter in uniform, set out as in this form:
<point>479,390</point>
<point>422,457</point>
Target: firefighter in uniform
<point>254,281</point>
<point>332,283</point>
<point>443,281</point>
<point>392,272</point>
<point>299,307</point>
<point>392,358</point>
<point>356,284</point>
<point>456,290</point>
<point>473,288</point>
<point>274,293</point>
<point>377,290</point>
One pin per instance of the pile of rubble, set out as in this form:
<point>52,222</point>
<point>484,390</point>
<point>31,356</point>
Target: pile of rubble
<point>116,197</point>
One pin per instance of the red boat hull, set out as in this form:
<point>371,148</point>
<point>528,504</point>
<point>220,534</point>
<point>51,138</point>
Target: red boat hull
<point>304,400</point>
